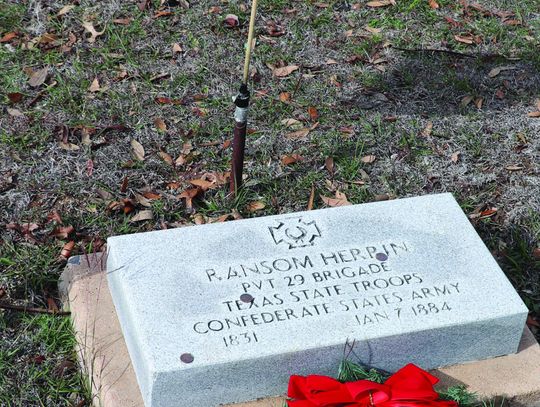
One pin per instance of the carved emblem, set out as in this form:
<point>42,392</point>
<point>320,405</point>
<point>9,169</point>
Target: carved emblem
<point>295,232</point>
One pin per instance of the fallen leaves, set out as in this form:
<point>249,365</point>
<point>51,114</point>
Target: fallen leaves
<point>15,97</point>
<point>67,249</point>
<point>89,27</point>
<point>145,214</point>
<point>426,132</point>
<point>189,194</point>
<point>66,9</point>
<point>339,200</point>
<point>464,39</point>
<point>176,49</point>
<point>381,3</point>
<point>433,4</point>
<point>284,70</point>
<point>302,133</point>
<point>94,86</point>
<point>37,78</point>
<point>274,29</point>
<point>160,124</point>
<point>168,101</point>
<point>497,70</point>
<point>455,157</point>
<point>368,159</point>
<point>313,113</point>
<point>137,150</point>
<point>231,21</point>
<point>291,159</point>
<point>255,206</point>
<point>8,37</point>
<point>123,21</point>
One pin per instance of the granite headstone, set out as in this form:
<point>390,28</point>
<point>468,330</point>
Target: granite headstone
<point>226,312</point>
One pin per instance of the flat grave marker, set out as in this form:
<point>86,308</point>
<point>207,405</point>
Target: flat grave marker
<point>226,312</point>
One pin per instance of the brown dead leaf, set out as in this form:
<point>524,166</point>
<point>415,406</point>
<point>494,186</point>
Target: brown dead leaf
<point>433,4</point>
<point>189,194</point>
<point>381,3</point>
<point>67,249</point>
<point>123,21</point>
<point>94,87</point>
<point>487,213</point>
<point>142,200</point>
<point>455,157</point>
<point>329,164</point>
<point>8,37</point>
<point>15,97</point>
<point>285,70</point>
<point>137,150</point>
<point>152,195</point>
<point>291,159</point>
<point>15,112</point>
<point>37,78</point>
<point>426,132</point>
<point>285,97</point>
<point>68,146</point>
<point>176,49</point>
<point>368,159</point>
<point>66,9</point>
<point>292,123</point>
<point>231,21</point>
<point>313,113</point>
<point>298,134</point>
<point>202,183</point>
<point>479,102</point>
<point>534,114</point>
<point>62,232</point>
<point>339,200</point>
<point>514,167</point>
<point>88,26</point>
<point>464,39</point>
<point>143,215</point>
<point>51,305</point>
<point>124,185</point>
<point>311,199</point>
<point>163,13</point>
<point>166,157</point>
<point>255,206</point>
<point>160,124</point>
<point>466,100</point>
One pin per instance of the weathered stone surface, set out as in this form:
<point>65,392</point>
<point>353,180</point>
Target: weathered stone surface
<point>106,358</point>
<point>209,311</point>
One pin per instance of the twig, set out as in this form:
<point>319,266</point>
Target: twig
<point>455,53</point>
<point>31,310</point>
<point>297,84</point>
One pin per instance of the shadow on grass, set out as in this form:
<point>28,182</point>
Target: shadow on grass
<point>442,85</point>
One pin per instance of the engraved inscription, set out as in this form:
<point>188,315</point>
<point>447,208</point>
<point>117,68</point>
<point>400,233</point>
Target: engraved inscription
<point>361,283</point>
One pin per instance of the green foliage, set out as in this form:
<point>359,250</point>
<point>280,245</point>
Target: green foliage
<point>350,372</point>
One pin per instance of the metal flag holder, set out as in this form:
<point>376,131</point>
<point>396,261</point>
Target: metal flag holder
<point>241,112</point>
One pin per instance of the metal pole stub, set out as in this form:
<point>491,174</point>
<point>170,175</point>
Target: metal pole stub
<point>239,141</point>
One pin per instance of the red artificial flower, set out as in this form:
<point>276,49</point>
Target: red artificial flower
<point>408,387</point>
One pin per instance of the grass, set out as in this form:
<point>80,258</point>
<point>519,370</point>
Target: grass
<point>364,108</point>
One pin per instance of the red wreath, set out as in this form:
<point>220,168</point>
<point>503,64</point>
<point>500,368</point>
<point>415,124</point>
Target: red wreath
<point>408,387</point>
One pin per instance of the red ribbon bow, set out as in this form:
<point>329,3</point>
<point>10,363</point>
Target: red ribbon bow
<point>408,387</point>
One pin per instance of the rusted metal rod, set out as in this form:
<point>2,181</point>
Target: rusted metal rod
<point>239,140</point>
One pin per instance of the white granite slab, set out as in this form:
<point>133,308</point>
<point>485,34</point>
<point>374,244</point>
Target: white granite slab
<point>226,312</point>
